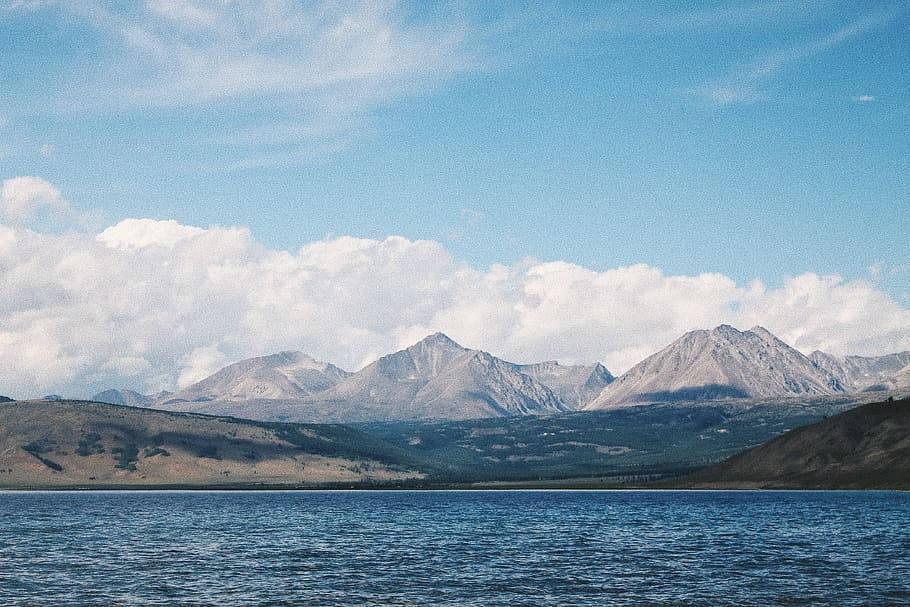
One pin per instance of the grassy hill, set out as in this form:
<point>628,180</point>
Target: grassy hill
<point>867,447</point>
<point>634,444</point>
<point>88,444</point>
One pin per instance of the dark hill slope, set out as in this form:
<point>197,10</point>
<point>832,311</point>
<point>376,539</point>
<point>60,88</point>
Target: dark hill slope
<point>866,447</point>
<point>77,443</point>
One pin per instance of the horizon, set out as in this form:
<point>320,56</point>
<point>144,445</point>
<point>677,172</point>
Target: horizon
<point>183,185</point>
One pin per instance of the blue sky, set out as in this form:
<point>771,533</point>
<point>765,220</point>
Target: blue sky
<point>757,139</point>
<point>680,165</point>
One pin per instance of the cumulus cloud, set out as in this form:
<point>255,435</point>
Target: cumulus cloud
<point>140,233</point>
<point>21,198</point>
<point>151,305</point>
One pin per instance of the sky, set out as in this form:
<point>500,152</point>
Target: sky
<point>188,183</point>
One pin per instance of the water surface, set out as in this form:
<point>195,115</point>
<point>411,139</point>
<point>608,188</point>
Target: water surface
<point>455,548</point>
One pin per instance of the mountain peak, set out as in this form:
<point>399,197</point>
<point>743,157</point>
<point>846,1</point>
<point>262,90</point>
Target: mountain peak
<point>438,340</point>
<point>763,333</point>
<point>721,363</point>
<point>727,331</point>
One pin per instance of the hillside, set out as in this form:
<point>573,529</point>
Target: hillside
<point>626,444</point>
<point>72,443</point>
<point>69,443</point>
<point>721,363</point>
<point>866,447</point>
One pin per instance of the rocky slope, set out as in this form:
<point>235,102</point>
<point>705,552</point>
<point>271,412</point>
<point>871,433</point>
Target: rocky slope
<point>866,447</point>
<point>721,363</point>
<point>435,379</point>
<point>575,385</point>
<point>863,372</point>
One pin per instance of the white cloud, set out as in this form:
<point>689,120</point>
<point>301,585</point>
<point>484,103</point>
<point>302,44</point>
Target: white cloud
<point>140,233</point>
<point>25,5</point>
<point>864,98</point>
<point>875,271</point>
<point>154,304</point>
<point>199,364</point>
<point>473,216</point>
<point>322,69</point>
<point>23,197</point>
<point>47,150</point>
<point>743,84</point>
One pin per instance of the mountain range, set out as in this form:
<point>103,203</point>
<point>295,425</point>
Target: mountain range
<point>437,378</point>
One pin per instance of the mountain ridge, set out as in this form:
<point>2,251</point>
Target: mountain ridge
<point>437,378</point>
<point>719,363</point>
<point>862,372</point>
<point>285,375</point>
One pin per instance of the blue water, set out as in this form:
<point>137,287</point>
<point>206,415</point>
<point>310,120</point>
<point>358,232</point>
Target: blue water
<point>455,548</point>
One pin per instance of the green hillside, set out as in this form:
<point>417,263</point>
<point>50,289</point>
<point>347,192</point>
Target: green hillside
<point>633,444</point>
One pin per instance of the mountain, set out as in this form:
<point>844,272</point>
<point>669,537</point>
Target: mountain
<point>898,382</point>
<point>434,379</point>
<point>901,379</point>
<point>286,375</point>
<point>86,444</point>
<point>862,372</point>
<point>574,385</point>
<point>863,448</point>
<point>720,363</point>
<point>129,398</point>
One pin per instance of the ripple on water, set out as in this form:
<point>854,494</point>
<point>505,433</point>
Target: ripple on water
<point>454,548</point>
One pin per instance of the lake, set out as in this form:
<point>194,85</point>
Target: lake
<point>455,548</point>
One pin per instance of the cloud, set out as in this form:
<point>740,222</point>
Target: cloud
<point>864,98</point>
<point>199,364</point>
<point>321,69</point>
<point>21,198</point>
<point>473,216</point>
<point>875,271</point>
<point>744,84</point>
<point>25,5</point>
<point>47,150</point>
<point>141,233</point>
<point>151,304</point>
